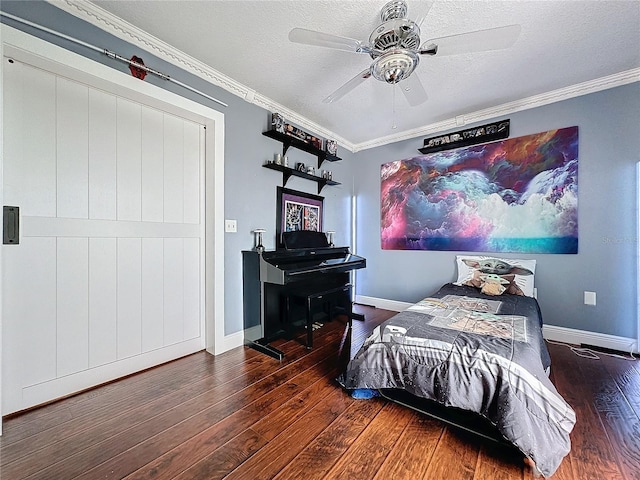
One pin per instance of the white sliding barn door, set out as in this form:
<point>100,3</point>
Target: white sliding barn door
<point>109,274</point>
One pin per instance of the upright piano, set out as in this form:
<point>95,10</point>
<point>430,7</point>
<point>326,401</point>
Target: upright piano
<point>305,264</point>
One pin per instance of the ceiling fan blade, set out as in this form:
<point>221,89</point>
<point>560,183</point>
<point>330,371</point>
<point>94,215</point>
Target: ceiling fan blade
<point>479,41</point>
<point>347,87</point>
<point>320,39</point>
<point>423,14</point>
<point>413,90</point>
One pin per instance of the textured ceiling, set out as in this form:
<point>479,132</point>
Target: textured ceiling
<point>562,44</point>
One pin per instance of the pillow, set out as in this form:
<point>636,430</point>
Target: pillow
<point>496,275</point>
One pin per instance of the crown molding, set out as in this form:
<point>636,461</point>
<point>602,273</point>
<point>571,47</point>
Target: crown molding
<point>566,93</point>
<point>108,22</point>
<point>118,27</point>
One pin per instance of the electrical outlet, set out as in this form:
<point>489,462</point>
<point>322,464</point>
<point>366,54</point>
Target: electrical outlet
<point>589,298</point>
<point>230,226</point>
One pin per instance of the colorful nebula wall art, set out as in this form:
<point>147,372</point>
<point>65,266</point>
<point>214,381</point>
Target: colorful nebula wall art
<point>515,195</point>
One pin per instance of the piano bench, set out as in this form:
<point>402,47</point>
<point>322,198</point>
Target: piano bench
<point>310,298</point>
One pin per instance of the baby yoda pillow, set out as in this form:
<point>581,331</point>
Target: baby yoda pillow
<point>496,275</point>
<point>494,284</point>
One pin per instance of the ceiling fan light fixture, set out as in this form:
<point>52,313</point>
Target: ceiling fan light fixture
<point>394,66</point>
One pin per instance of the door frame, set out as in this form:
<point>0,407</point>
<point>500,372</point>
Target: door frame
<point>18,43</point>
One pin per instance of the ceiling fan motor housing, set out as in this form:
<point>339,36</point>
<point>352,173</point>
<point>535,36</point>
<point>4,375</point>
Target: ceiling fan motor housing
<point>395,44</point>
<point>396,33</point>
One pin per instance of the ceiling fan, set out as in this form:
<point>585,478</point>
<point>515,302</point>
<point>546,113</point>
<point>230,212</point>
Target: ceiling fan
<point>395,48</point>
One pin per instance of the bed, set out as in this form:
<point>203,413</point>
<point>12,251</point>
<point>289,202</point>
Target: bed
<point>475,357</point>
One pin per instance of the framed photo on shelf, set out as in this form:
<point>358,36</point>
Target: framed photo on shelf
<point>297,211</point>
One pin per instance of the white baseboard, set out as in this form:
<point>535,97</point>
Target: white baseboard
<point>392,305</point>
<point>229,342</point>
<point>550,332</point>
<point>579,337</point>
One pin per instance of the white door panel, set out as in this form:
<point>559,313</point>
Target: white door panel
<point>29,328</point>
<point>129,160</point>
<point>72,299</point>
<point>129,325</point>
<point>72,141</point>
<point>191,187</point>
<point>102,155</point>
<point>152,165</point>
<point>173,290</point>
<point>109,272</point>
<point>173,170</point>
<point>192,289</point>
<point>30,140</point>
<point>102,301</point>
<point>152,302</point>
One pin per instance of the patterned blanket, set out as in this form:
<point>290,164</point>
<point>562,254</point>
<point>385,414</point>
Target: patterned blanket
<point>467,350</point>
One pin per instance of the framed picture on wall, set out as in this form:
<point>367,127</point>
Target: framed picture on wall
<point>297,211</point>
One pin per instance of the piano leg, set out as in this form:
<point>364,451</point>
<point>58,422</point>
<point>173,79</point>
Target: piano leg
<point>309,324</point>
<point>267,349</point>
<point>349,311</point>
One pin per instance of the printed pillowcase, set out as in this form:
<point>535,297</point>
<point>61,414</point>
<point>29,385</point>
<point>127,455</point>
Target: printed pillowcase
<point>495,276</point>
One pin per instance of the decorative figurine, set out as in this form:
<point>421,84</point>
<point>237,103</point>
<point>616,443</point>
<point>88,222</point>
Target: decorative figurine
<point>258,232</point>
<point>330,238</point>
<point>277,122</point>
<point>332,147</point>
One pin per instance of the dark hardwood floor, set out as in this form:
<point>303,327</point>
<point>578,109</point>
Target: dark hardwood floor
<point>243,415</point>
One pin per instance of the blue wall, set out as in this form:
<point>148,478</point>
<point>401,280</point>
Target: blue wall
<point>609,150</point>
<point>607,214</point>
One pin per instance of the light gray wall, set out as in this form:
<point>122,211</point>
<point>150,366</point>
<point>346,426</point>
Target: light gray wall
<point>250,190</point>
<point>609,147</point>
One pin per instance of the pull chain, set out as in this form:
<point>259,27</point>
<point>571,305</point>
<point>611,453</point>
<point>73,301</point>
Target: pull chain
<point>393,108</point>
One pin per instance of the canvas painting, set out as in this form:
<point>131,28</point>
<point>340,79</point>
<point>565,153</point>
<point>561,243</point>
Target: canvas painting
<point>515,195</point>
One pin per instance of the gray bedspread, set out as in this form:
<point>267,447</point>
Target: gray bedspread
<point>478,353</point>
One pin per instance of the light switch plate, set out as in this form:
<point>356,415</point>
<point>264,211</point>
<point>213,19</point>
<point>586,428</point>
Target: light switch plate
<point>230,226</point>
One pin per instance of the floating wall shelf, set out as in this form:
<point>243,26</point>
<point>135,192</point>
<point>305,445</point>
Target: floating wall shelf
<point>288,172</point>
<point>289,141</point>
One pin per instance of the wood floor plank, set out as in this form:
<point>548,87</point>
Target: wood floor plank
<point>247,416</point>
<point>277,454</point>
<point>496,463</point>
<point>627,377</point>
<point>374,444</point>
<point>226,458</point>
<point>592,455</point>
<point>188,383</point>
<point>412,453</point>
<point>619,419</point>
<point>107,400</point>
<point>565,471</point>
<point>199,446</point>
<point>218,460</point>
<point>56,413</point>
<point>456,456</point>
<point>72,438</point>
<point>321,454</point>
<point>215,409</point>
<point>96,453</point>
